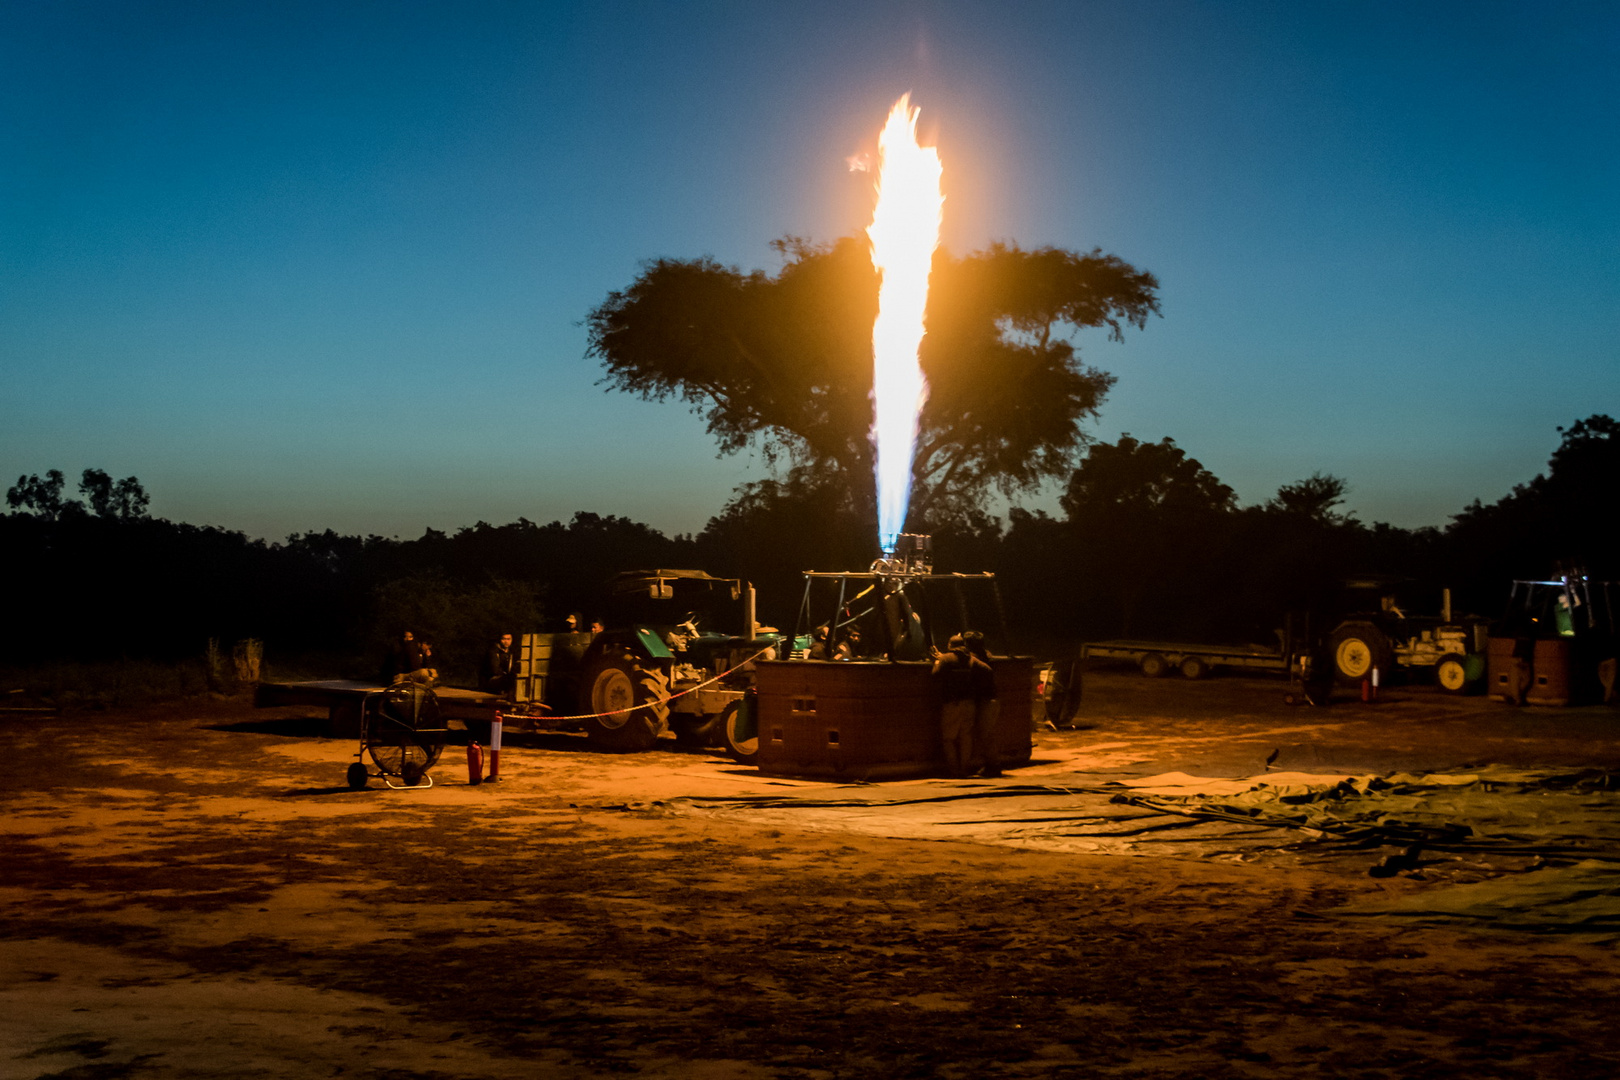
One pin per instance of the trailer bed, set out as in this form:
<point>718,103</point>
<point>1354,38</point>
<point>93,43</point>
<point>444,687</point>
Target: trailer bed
<point>1176,654</point>
<point>341,699</point>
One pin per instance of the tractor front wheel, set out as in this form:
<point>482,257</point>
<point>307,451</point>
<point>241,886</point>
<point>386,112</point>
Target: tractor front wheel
<point>740,732</point>
<point>1451,675</point>
<point>628,702</point>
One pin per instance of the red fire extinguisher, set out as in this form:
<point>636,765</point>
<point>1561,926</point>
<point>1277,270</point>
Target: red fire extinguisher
<point>475,763</point>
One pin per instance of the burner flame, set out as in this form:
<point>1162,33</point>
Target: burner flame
<point>904,233</point>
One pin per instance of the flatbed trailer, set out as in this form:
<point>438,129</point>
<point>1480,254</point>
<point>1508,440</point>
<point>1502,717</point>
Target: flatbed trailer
<point>1193,659</point>
<point>341,699</point>
<point>546,686</point>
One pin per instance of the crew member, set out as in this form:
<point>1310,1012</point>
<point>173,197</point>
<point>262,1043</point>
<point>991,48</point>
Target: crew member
<point>818,644</point>
<point>986,709</point>
<point>499,675</point>
<point>953,675</point>
<point>850,647</point>
<point>404,657</point>
<point>427,670</point>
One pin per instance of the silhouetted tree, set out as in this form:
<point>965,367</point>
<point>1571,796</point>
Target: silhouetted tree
<point>1568,516</point>
<point>461,621</point>
<point>1146,520</point>
<point>784,363</point>
<point>774,530</point>
<point>1313,497</point>
<point>42,498</point>
<point>124,500</point>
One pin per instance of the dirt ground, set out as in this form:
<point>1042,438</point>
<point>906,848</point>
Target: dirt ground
<point>192,891</point>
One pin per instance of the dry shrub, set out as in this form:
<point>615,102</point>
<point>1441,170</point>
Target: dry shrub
<point>248,661</point>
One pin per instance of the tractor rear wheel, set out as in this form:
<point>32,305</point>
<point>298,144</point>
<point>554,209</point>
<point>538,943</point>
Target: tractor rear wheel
<point>628,701</point>
<point>1358,648</point>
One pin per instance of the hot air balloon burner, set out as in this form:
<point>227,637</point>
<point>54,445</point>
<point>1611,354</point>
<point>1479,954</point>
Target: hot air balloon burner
<point>913,554</point>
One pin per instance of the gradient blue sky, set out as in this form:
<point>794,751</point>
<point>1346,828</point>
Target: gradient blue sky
<point>300,266</point>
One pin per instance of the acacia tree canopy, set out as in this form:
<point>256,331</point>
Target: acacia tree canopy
<point>784,362</point>
<point>1313,497</point>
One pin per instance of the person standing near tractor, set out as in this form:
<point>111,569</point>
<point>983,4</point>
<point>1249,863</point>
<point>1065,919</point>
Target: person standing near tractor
<point>499,676</point>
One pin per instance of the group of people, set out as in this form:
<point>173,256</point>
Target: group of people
<point>969,709</point>
<point>847,647</point>
<point>412,660</point>
<point>575,623</point>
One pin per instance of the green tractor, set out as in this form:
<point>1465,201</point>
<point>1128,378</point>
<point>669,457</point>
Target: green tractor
<point>678,656</point>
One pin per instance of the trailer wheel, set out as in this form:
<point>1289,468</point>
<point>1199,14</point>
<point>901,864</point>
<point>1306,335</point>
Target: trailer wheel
<point>1194,667</point>
<point>1358,647</point>
<point>1154,666</point>
<point>740,732</point>
<point>1451,675</point>
<point>614,684</point>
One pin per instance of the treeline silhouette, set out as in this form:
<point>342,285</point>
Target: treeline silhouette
<point>1147,542</point>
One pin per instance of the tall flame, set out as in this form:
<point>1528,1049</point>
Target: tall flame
<point>904,233</point>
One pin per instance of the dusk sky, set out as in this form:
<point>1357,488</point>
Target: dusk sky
<point>300,266</point>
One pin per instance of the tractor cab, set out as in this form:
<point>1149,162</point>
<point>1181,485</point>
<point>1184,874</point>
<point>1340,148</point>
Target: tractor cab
<point>684,616</point>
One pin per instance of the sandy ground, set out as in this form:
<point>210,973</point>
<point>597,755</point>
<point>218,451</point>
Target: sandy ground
<point>192,891</point>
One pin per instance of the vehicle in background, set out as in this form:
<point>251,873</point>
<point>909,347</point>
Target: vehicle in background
<point>1378,633</point>
<point>1375,635</point>
<point>1194,660</point>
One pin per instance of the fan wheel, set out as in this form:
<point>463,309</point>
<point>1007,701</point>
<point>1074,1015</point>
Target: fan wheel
<point>405,733</point>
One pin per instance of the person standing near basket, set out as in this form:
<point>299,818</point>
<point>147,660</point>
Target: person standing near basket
<point>986,708</point>
<point>958,675</point>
